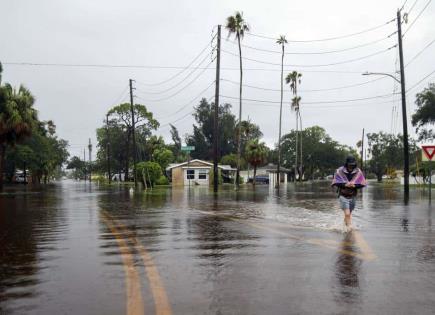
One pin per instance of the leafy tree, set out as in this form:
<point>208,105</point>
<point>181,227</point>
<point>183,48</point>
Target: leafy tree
<point>249,131</point>
<point>322,154</point>
<point>120,115</point>
<point>78,166</point>
<point>175,136</point>
<point>231,159</point>
<point>256,154</point>
<point>17,119</point>
<point>387,153</point>
<point>148,172</point>
<point>163,156</point>
<point>202,137</point>
<point>425,113</point>
<point>237,25</point>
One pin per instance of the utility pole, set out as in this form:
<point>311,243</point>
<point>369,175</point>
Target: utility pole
<point>133,132</point>
<point>108,148</point>
<point>84,162</point>
<point>90,159</point>
<point>404,116</point>
<point>216,113</point>
<point>362,151</point>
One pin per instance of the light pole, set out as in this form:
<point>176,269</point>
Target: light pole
<point>405,131</point>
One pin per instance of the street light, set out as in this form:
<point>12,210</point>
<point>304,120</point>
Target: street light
<point>405,131</point>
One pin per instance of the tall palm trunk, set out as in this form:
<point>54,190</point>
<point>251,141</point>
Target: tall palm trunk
<point>239,133</point>
<point>255,174</point>
<point>280,119</point>
<point>2,163</point>
<point>300,141</point>
<point>296,153</point>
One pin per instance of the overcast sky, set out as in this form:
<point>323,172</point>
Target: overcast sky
<point>164,36</point>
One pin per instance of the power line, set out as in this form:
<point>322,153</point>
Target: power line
<point>315,52</point>
<point>180,90</point>
<point>184,116</point>
<point>415,20</point>
<point>327,38</point>
<point>412,7</point>
<point>172,67</point>
<point>416,84</point>
<point>314,65</point>
<point>420,52</point>
<point>189,103</point>
<point>307,90</point>
<point>179,73</point>
<point>323,106</point>
<point>181,81</point>
<point>317,102</point>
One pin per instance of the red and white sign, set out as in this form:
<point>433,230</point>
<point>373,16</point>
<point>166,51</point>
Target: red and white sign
<point>428,152</point>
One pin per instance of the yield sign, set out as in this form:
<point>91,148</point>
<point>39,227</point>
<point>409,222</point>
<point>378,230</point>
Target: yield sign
<point>428,152</point>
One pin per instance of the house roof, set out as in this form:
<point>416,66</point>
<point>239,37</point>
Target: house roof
<point>206,164</point>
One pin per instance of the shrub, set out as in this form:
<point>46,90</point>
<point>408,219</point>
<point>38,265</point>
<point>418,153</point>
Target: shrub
<point>151,171</point>
<point>163,180</point>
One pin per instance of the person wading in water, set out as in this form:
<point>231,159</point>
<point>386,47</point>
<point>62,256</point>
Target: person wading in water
<point>348,179</point>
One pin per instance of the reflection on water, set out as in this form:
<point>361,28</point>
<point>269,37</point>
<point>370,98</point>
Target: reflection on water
<point>247,252</point>
<point>30,225</point>
<point>347,269</point>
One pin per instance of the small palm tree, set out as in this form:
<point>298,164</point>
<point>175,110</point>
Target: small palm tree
<point>294,78</point>
<point>256,154</point>
<point>281,41</point>
<point>238,26</point>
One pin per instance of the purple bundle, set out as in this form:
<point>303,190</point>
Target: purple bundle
<point>341,178</point>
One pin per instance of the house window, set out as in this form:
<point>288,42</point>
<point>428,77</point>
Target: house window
<point>190,174</point>
<point>202,174</point>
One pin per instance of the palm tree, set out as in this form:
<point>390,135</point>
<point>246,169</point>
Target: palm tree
<point>294,78</point>
<point>256,154</point>
<point>282,41</point>
<point>17,119</point>
<point>237,25</point>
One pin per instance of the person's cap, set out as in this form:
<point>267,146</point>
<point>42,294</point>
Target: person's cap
<point>350,161</point>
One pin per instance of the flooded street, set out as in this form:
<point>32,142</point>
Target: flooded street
<point>72,248</point>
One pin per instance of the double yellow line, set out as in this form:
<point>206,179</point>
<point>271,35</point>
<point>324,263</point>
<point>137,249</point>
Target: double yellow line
<point>135,304</point>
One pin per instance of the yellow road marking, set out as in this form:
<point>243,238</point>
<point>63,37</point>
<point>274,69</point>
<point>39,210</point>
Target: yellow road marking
<point>366,251</point>
<point>135,305</point>
<point>364,246</point>
<point>161,300</point>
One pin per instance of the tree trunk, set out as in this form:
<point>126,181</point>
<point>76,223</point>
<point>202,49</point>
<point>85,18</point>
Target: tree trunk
<point>301,135</point>
<point>2,163</point>
<point>296,153</point>
<point>379,177</point>
<point>239,133</point>
<point>280,119</point>
<point>255,174</point>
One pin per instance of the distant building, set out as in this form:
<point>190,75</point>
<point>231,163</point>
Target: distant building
<point>195,172</point>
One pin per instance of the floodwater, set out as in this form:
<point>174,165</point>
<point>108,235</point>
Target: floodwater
<point>75,248</point>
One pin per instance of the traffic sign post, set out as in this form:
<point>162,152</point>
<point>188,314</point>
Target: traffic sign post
<point>428,155</point>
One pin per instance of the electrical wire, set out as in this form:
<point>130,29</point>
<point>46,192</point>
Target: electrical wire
<point>314,65</point>
<point>412,7</point>
<point>418,83</point>
<point>327,38</point>
<point>189,103</point>
<point>190,64</point>
<point>316,102</point>
<point>182,117</point>
<point>181,81</point>
<point>311,52</point>
<point>420,52</point>
<point>307,90</point>
<point>415,20</point>
<point>180,90</point>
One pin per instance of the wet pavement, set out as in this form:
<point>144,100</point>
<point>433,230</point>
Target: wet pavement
<point>72,248</point>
